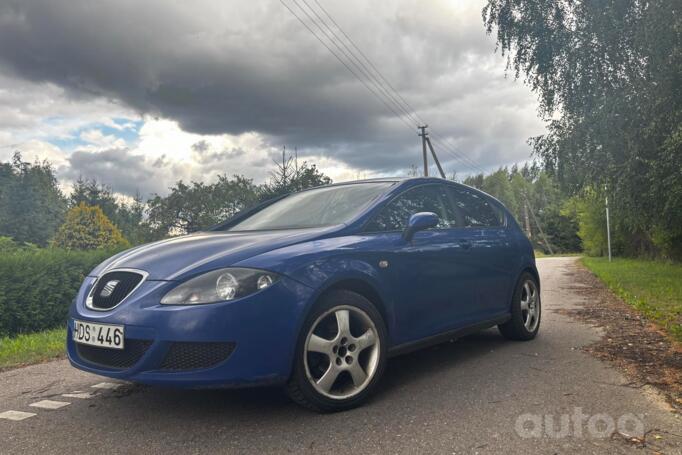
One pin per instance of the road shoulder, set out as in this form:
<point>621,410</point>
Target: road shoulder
<point>631,342</point>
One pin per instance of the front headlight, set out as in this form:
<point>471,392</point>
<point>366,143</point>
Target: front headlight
<point>219,285</point>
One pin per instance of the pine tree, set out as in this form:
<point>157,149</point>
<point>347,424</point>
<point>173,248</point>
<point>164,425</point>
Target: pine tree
<point>88,228</point>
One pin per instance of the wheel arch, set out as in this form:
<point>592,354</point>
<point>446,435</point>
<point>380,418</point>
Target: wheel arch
<point>533,271</point>
<point>363,287</point>
<point>527,269</point>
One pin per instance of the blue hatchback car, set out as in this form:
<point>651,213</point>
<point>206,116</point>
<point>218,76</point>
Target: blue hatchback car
<point>313,291</point>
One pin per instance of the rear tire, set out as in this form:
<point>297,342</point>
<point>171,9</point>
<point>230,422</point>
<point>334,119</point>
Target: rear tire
<point>340,355</point>
<point>525,310</point>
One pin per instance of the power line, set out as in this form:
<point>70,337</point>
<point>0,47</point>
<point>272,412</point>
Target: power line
<point>392,93</point>
<point>346,51</point>
<point>342,62</point>
<point>334,39</point>
<point>454,151</point>
<point>410,112</point>
<point>389,97</point>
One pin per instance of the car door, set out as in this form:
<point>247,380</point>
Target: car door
<point>429,276</point>
<point>491,250</point>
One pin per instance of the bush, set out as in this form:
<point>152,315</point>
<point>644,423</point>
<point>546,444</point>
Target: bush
<point>88,228</point>
<point>37,287</point>
<point>8,245</point>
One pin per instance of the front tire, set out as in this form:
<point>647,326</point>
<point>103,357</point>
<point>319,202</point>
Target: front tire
<point>341,353</point>
<point>525,312</point>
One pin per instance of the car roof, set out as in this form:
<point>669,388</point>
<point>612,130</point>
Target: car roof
<point>391,180</point>
<point>407,182</point>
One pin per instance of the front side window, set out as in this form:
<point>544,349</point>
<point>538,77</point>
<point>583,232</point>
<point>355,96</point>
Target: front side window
<point>475,210</point>
<point>327,206</point>
<point>428,198</point>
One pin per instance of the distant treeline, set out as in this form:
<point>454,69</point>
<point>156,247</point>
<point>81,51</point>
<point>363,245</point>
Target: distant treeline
<point>33,207</point>
<point>34,210</point>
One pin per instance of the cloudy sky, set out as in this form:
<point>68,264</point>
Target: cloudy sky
<point>141,94</point>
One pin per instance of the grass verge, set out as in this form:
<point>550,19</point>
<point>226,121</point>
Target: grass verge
<point>31,348</point>
<point>652,287</point>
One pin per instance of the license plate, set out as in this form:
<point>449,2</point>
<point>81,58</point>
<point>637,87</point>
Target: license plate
<point>103,335</point>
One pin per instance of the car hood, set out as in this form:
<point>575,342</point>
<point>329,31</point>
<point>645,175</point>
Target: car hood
<point>174,258</point>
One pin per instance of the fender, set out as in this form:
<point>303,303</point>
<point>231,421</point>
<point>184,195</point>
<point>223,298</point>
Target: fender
<point>323,264</point>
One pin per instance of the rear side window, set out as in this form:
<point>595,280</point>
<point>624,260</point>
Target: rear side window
<point>428,198</point>
<point>475,210</point>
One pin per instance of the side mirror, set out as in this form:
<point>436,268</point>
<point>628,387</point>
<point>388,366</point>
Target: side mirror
<point>419,222</point>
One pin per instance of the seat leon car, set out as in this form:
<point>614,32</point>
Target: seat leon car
<point>312,291</point>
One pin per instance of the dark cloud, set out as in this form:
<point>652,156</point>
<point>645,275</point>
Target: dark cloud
<point>118,168</point>
<point>204,155</point>
<point>242,66</point>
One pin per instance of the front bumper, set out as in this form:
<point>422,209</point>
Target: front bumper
<point>262,330</point>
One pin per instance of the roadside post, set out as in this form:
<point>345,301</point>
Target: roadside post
<point>608,226</point>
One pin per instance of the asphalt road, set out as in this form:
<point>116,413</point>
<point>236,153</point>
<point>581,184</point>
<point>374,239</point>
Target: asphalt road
<point>480,394</point>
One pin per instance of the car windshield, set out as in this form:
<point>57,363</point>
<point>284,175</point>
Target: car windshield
<point>327,206</point>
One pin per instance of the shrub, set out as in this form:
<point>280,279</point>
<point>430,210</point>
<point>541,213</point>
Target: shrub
<point>37,287</point>
<point>88,228</point>
<point>8,245</point>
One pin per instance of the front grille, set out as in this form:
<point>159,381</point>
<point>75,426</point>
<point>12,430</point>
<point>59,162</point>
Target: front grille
<point>118,359</point>
<point>193,356</point>
<point>112,288</point>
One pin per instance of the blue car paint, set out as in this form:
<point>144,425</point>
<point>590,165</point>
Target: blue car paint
<point>479,267</point>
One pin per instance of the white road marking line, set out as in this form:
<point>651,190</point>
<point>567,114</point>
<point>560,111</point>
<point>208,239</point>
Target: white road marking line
<point>15,415</point>
<point>106,385</point>
<point>49,404</point>
<point>81,395</point>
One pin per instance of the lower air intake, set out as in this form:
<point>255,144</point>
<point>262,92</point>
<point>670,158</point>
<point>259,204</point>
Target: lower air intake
<point>116,359</point>
<point>194,356</point>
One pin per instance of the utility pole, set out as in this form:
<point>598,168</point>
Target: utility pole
<point>435,158</point>
<point>423,136</point>
<point>526,220</point>
<point>542,233</point>
<point>608,226</point>
<point>427,141</point>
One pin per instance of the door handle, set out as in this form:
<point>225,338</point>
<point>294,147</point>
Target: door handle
<point>466,244</point>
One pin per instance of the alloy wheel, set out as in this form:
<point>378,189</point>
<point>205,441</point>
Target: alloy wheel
<point>530,305</point>
<point>341,352</point>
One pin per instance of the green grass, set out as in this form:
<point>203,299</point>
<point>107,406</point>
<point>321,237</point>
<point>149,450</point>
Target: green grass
<point>652,287</point>
<point>31,348</point>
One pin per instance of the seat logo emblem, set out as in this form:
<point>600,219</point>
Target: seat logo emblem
<point>109,288</point>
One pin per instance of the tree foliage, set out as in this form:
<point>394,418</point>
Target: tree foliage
<point>190,208</point>
<point>128,216</point>
<point>608,74</point>
<point>32,207</point>
<point>88,228</point>
<point>197,206</point>
<point>31,203</point>
<point>288,177</point>
<point>7,245</point>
